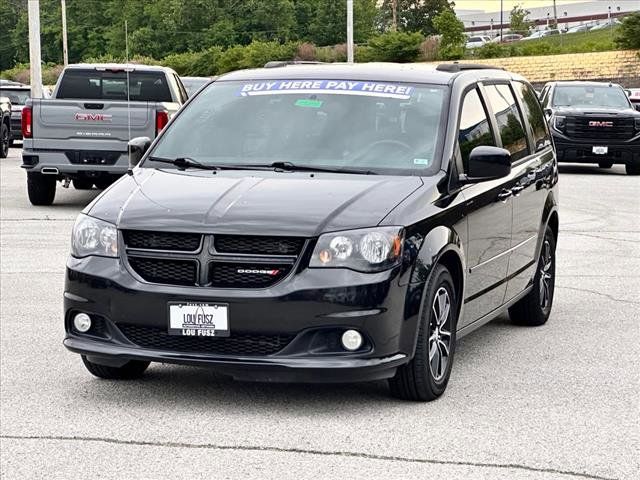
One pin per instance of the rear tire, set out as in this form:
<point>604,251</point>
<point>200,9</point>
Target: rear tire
<point>534,309</point>
<point>129,371</point>
<point>426,376</point>
<point>41,188</point>
<point>104,182</point>
<point>632,168</point>
<point>605,164</point>
<point>4,140</point>
<point>82,184</point>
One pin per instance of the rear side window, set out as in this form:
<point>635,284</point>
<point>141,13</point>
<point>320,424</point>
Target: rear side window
<point>107,85</point>
<point>474,126</point>
<point>510,125</point>
<point>533,111</point>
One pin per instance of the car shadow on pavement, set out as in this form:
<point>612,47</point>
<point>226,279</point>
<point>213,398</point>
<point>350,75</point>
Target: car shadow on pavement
<point>192,387</point>
<point>591,169</point>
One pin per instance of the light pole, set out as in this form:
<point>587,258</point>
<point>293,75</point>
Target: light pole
<point>34,48</point>
<point>65,55</point>
<point>350,31</point>
<point>501,20</point>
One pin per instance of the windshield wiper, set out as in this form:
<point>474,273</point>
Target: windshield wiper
<point>184,162</point>
<point>292,167</point>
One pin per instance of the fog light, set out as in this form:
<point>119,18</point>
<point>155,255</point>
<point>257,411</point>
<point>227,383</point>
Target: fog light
<point>82,322</point>
<point>351,340</point>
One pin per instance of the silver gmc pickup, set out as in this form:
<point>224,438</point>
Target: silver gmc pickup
<point>80,135</point>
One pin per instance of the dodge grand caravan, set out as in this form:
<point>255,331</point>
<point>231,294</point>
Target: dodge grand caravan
<point>321,223</point>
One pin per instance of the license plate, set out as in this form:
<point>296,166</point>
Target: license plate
<point>199,319</point>
<point>600,150</point>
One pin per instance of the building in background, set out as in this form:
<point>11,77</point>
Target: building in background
<point>585,13</point>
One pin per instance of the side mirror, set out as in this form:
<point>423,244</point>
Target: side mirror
<point>628,92</point>
<point>548,112</point>
<point>487,163</point>
<point>5,100</point>
<point>137,148</point>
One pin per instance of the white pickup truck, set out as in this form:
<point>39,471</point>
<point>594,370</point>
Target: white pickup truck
<point>80,135</point>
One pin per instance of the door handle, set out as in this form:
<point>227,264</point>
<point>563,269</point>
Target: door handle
<point>504,195</point>
<point>516,190</point>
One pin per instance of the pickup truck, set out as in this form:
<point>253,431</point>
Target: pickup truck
<point>80,135</point>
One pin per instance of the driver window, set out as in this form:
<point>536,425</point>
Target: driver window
<point>475,129</point>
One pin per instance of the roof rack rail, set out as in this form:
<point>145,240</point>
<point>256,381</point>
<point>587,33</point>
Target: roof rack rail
<point>284,63</point>
<point>461,67</point>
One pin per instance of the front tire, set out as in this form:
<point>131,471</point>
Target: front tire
<point>534,309</point>
<point>129,371</point>
<point>426,376</point>
<point>632,168</point>
<point>41,188</point>
<point>4,140</point>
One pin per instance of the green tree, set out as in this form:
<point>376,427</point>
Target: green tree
<point>452,31</point>
<point>519,20</point>
<point>629,32</point>
<point>394,47</point>
<point>323,22</point>
<point>414,15</point>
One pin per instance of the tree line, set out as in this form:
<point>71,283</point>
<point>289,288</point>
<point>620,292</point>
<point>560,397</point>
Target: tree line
<point>160,28</point>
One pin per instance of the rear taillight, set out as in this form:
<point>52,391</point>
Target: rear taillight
<point>162,118</point>
<point>27,122</point>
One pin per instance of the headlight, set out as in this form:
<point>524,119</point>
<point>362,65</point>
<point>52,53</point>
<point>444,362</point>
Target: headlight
<point>366,250</point>
<point>559,122</point>
<point>93,237</point>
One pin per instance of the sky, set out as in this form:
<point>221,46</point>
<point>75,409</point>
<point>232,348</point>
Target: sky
<point>494,5</point>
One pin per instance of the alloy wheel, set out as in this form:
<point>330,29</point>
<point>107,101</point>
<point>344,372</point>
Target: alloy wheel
<point>4,142</point>
<point>440,334</point>
<point>546,275</point>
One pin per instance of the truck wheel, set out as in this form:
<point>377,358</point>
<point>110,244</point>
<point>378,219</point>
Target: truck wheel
<point>129,371</point>
<point>4,140</point>
<point>605,164</point>
<point>633,168</point>
<point>41,188</point>
<point>535,308</point>
<point>426,376</point>
<point>104,182</point>
<point>82,184</point>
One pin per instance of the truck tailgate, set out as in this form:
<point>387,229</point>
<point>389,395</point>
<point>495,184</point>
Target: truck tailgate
<point>90,124</point>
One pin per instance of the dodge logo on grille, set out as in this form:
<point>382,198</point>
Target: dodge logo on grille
<point>596,123</point>
<point>273,272</point>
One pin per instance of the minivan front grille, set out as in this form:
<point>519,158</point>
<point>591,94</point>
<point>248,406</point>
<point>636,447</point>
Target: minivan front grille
<point>600,128</point>
<point>238,344</point>
<point>206,260</point>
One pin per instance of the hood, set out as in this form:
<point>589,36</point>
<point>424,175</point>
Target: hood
<point>596,111</point>
<point>259,203</point>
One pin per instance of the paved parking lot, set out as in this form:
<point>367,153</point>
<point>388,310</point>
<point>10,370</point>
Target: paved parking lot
<point>555,402</point>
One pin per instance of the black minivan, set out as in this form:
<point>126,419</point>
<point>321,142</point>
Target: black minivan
<point>321,223</point>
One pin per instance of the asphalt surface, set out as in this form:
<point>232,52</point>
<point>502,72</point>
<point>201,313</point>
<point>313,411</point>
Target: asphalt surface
<point>555,402</point>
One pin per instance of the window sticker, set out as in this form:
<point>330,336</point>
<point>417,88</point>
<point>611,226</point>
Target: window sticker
<point>308,102</point>
<point>336,87</point>
<point>421,161</point>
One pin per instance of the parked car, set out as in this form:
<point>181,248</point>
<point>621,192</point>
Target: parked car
<point>193,84</point>
<point>18,94</point>
<point>578,29</point>
<point>81,133</point>
<point>5,125</point>
<point>593,122</point>
<point>508,38</point>
<point>634,96</point>
<point>478,41</point>
<point>322,223</point>
<point>535,35</point>
<point>608,24</point>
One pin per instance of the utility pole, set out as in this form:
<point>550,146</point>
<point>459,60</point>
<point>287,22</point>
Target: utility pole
<point>394,15</point>
<point>350,31</point>
<point>501,8</point>
<point>35,68</point>
<point>65,55</point>
<point>555,14</point>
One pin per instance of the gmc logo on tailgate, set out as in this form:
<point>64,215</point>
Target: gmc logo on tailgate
<point>596,123</point>
<point>93,117</point>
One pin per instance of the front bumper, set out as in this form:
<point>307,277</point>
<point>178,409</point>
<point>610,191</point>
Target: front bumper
<point>581,151</point>
<point>308,307</point>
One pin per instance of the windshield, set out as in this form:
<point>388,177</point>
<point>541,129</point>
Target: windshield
<point>16,96</point>
<point>381,127</point>
<point>590,96</point>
